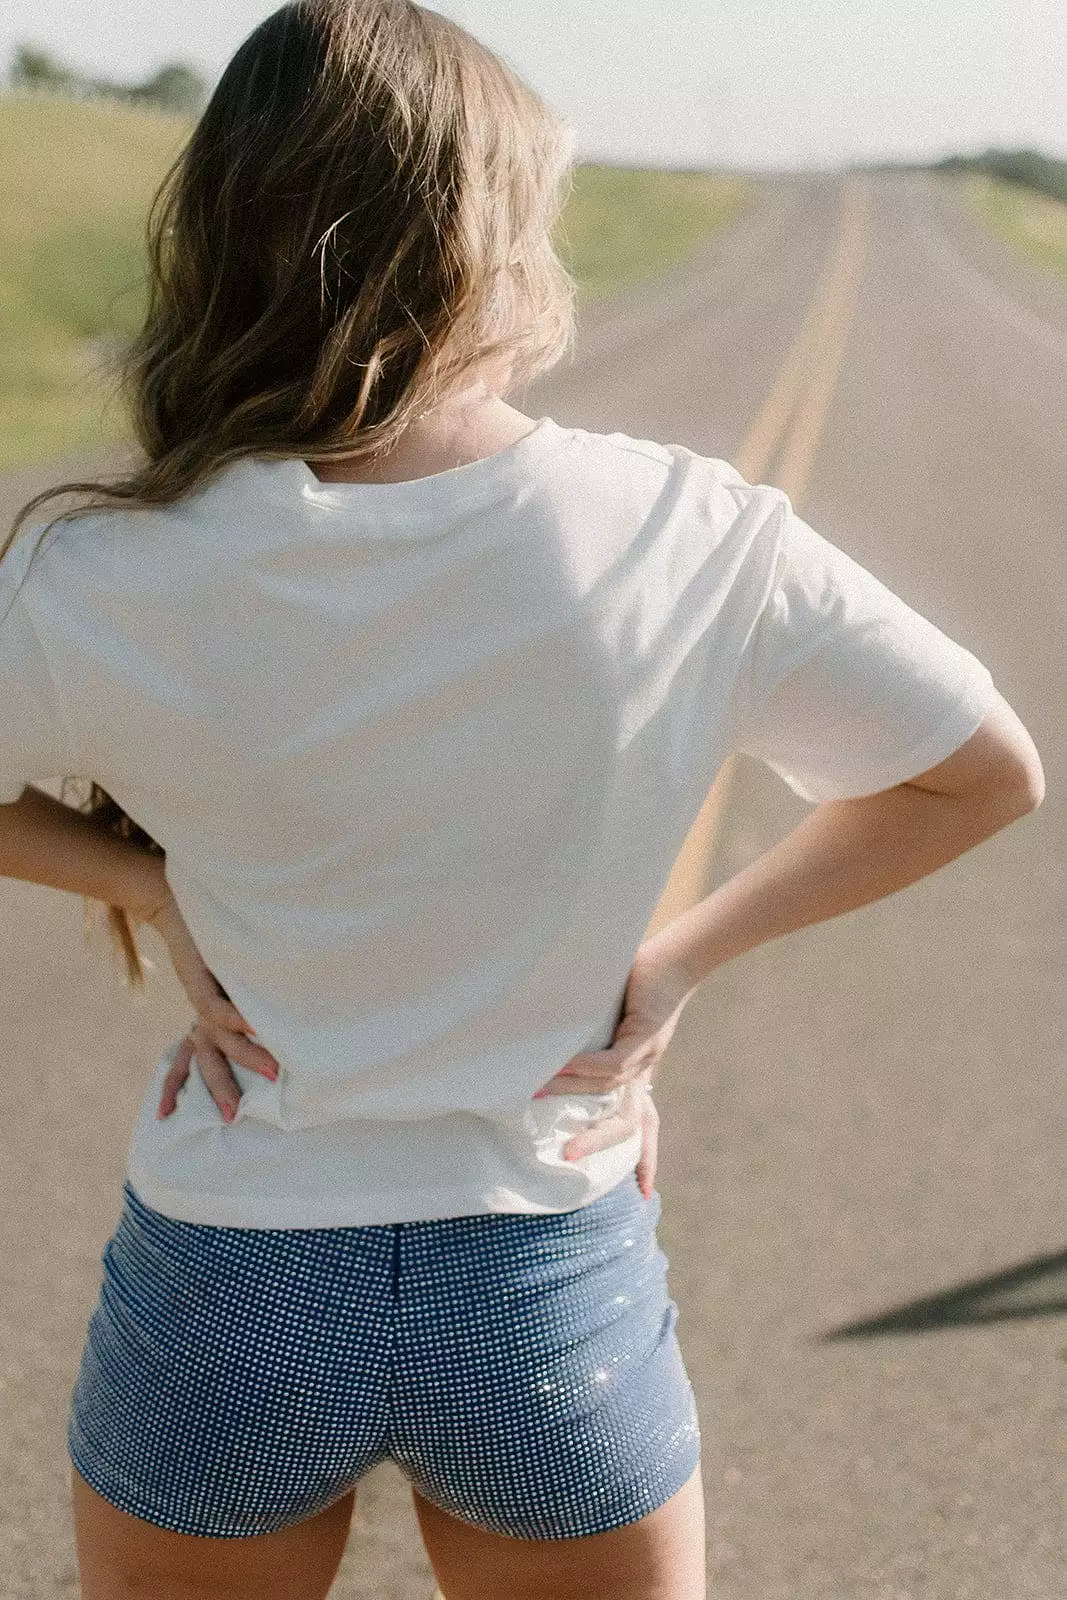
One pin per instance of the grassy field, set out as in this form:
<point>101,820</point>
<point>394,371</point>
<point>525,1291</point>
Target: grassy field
<point>76,179</point>
<point>623,224</point>
<point>1032,223</point>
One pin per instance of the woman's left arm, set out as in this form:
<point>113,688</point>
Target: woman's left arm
<point>44,841</point>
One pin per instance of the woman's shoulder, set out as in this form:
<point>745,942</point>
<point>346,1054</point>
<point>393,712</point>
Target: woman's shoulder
<point>668,455</point>
<point>708,486</point>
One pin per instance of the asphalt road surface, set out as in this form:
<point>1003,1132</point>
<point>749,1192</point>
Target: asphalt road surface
<point>863,1146</point>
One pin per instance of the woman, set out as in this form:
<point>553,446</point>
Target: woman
<point>398,705</point>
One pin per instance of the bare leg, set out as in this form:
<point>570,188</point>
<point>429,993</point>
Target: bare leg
<point>661,1557</point>
<point>125,1558</point>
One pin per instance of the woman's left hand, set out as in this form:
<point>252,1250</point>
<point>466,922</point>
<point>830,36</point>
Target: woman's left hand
<point>219,1035</point>
<point>637,1113</point>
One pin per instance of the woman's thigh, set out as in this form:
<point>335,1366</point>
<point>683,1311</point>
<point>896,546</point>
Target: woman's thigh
<point>123,1557</point>
<point>659,1557</point>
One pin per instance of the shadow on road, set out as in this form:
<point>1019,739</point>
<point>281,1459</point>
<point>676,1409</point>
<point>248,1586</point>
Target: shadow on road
<point>1037,1288</point>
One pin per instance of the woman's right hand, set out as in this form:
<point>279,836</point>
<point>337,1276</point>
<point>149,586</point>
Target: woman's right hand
<point>655,997</point>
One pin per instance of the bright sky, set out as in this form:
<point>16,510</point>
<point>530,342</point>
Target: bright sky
<point>687,82</point>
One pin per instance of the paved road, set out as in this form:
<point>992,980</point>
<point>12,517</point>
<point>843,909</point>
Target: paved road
<point>862,1121</point>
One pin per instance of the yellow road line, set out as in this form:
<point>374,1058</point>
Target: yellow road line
<point>832,297</point>
<point>809,422</point>
<point>795,412</point>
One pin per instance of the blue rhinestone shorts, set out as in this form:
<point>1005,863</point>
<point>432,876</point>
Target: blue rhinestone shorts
<point>522,1370</point>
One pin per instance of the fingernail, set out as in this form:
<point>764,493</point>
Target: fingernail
<point>227,1113</point>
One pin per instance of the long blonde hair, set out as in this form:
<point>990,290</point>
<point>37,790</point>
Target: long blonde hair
<point>363,214</point>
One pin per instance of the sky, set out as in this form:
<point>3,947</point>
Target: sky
<point>713,83</point>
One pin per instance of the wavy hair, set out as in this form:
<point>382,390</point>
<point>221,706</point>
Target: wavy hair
<point>363,214</point>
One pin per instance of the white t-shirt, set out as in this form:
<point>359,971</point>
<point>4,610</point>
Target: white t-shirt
<point>421,756</point>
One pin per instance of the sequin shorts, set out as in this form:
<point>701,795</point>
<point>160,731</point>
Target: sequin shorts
<point>522,1370</point>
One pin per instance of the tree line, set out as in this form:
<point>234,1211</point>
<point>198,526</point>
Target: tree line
<point>1030,167</point>
<point>1046,174</point>
<point>176,87</point>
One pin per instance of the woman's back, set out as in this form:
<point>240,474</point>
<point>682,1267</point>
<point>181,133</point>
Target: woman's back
<point>421,755</point>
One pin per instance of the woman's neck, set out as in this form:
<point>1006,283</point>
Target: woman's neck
<point>474,425</point>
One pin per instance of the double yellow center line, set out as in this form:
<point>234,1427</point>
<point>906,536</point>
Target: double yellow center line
<point>780,447</point>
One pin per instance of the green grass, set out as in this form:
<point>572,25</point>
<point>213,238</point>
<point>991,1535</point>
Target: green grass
<point>1033,223</point>
<point>76,180</point>
<point>623,224</point>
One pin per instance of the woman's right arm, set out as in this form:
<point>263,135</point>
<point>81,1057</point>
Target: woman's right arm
<point>847,853</point>
<point>844,687</point>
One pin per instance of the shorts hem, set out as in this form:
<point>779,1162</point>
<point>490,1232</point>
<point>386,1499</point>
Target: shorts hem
<point>665,1488</point>
<point>134,1507</point>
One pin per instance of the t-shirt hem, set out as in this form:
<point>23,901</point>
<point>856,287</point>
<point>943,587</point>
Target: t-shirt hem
<point>378,1208</point>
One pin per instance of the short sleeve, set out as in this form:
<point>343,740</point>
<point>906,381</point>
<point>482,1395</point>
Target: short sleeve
<point>848,689</point>
<point>33,737</point>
